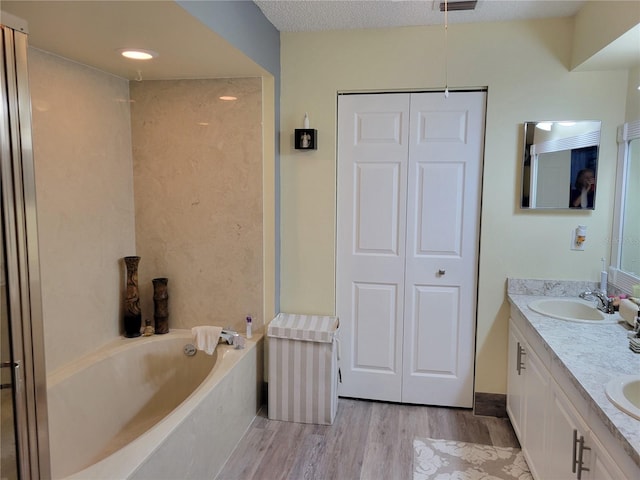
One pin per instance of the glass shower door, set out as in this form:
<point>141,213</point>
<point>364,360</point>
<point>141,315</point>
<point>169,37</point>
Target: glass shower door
<point>8,456</point>
<point>24,432</point>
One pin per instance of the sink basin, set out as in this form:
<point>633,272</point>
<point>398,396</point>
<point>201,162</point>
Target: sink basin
<point>624,393</point>
<point>571,309</point>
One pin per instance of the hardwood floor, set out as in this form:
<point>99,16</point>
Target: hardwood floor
<point>368,440</point>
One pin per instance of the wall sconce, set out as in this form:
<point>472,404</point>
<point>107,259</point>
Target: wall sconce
<point>305,138</point>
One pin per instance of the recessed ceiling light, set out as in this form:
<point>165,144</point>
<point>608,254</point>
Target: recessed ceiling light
<point>228,98</point>
<point>138,53</point>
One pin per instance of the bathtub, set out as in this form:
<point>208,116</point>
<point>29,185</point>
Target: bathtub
<point>140,408</point>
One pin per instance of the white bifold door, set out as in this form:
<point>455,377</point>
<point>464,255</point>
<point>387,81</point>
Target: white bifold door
<point>409,175</point>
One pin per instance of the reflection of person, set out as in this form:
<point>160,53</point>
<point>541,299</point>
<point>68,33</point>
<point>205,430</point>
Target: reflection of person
<point>583,190</point>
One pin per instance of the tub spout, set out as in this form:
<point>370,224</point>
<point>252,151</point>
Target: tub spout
<point>228,335</point>
<point>232,338</point>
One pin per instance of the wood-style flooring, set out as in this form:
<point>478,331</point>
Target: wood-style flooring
<point>368,441</point>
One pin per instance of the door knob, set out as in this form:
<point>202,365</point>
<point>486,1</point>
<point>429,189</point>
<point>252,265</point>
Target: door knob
<point>441,272</point>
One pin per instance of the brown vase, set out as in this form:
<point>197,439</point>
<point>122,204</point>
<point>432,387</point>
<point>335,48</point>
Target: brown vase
<point>132,315</point>
<point>161,305</point>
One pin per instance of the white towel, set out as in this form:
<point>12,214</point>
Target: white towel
<point>628,311</point>
<point>206,338</point>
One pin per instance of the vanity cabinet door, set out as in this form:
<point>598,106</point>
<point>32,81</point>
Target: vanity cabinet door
<point>567,439</point>
<point>602,466</point>
<point>536,388</point>
<point>515,378</point>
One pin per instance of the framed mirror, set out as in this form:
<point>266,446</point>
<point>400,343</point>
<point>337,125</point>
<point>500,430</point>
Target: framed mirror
<point>560,165</point>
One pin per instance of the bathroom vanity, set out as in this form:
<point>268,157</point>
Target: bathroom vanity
<point>556,400</point>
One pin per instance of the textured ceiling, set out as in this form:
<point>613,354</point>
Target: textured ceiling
<point>314,15</point>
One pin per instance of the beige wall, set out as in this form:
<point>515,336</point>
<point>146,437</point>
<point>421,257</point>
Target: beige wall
<point>198,200</point>
<point>599,23</point>
<point>198,197</point>
<point>84,190</point>
<point>525,66</point>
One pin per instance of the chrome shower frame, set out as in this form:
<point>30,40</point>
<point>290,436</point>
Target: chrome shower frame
<point>24,301</point>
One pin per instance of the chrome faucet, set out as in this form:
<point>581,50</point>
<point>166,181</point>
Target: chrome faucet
<point>232,338</point>
<point>603,303</point>
<point>228,335</point>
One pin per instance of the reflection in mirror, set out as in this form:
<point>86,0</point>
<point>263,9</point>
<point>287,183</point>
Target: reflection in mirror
<point>560,164</point>
<point>625,245</point>
<point>630,239</point>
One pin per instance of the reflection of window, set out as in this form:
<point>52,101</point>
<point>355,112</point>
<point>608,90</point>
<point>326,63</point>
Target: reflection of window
<point>630,251</point>
<point>625,251</point>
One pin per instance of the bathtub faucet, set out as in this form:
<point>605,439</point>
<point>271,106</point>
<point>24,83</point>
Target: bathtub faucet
<point>232,338</point>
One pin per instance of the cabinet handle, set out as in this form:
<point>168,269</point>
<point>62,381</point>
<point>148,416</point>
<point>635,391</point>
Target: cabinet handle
<point>519,363</point>
<point>577,461</point>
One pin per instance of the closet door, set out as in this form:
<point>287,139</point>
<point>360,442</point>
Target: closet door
<point>408,203</point>
<point>372,178</point>
<point>444,171</point>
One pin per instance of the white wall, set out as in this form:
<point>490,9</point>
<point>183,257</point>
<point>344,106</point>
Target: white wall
<point>525,66</point>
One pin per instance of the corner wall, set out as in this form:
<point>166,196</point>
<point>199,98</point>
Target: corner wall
<point>525,66</point>
<point>84,192</point>
<point>198,198</point>
<point>200,202</point>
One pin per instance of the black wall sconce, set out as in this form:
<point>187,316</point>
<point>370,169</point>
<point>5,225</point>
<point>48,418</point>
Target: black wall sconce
<point>306,139</point>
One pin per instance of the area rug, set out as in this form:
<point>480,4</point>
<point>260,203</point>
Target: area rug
<point>449,460</point>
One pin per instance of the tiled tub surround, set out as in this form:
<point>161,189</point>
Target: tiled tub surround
<point>164,415</point>
<point>587,355</point>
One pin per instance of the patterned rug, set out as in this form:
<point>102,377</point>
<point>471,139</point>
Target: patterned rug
<point>450,460</point>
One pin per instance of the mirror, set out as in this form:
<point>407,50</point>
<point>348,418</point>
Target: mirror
<point>629,246</point>
<point>560,164</point>
<point>625,245</point>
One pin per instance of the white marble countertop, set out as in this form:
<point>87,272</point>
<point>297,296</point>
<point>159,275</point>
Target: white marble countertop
<point>591,355</point>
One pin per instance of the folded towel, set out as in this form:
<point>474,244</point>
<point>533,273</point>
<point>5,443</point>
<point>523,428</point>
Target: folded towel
<point>628,311</point>
<point>206,338</point>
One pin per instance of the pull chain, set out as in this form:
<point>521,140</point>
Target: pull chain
<point>446,55</point>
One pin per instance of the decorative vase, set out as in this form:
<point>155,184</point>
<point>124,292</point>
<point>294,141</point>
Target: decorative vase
<point>161,305</point>
<point>132,315</point>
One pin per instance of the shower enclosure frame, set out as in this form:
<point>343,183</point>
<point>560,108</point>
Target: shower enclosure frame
<point>20,241</point>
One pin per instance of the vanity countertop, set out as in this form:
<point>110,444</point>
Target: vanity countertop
<point>590,355</point>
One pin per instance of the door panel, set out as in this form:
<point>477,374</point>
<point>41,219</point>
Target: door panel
<point>439,233</point>
<point>434,341</point>
<point>373,155</point>
<point>443,198</point>
<point>374,318</point>
<point>376,210</point>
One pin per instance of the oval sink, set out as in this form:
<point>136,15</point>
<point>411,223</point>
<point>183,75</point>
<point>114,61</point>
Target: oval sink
<point>571,309</point>
<point>624,393</point>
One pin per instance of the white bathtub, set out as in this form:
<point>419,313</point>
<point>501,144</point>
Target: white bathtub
<point>140,408</point>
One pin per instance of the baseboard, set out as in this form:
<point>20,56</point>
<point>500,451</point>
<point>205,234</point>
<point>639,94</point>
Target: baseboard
<point>490,404</point>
